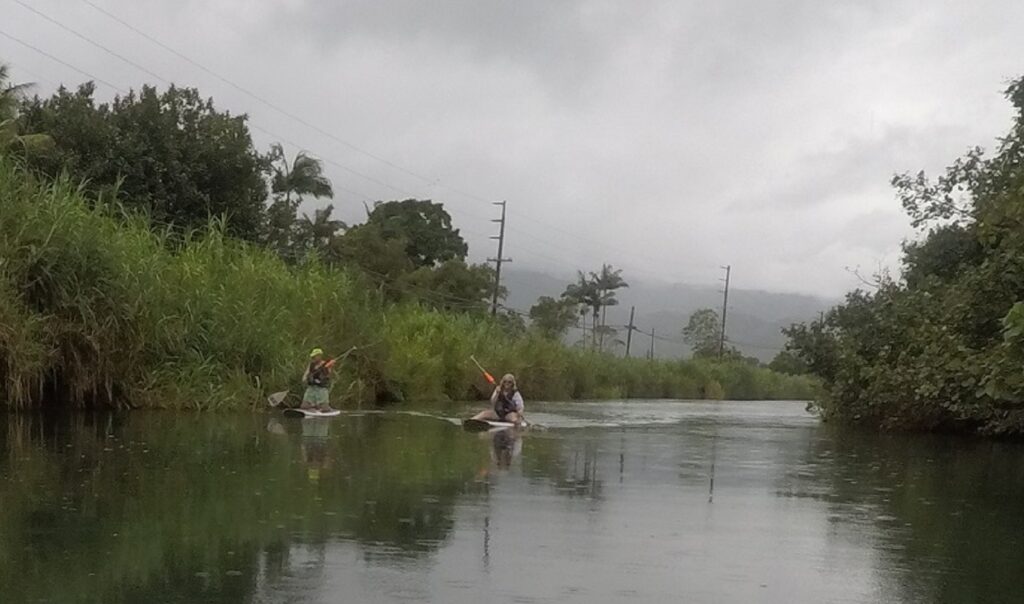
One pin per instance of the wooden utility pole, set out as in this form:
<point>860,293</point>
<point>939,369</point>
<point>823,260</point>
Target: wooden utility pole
<point>725,310</point>
<point>499,259</point>
<point>652,343</point>
<point>630,328</point>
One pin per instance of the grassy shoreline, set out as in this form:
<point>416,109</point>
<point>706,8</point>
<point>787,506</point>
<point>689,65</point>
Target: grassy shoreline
<point>97,309</point>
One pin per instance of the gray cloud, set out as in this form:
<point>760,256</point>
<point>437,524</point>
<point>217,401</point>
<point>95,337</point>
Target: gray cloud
<point>665,137</point>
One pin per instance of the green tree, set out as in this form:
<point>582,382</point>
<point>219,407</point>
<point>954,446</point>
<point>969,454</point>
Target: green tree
<point>702,333</point>
<point>289,182</point>
<point>941,348</point>
<point>607,281</point>
<point>424,226</point>
<point>11,137</point>
<point>317,232</point>
<point>551,317</point>
<point>171,154</point>
<point>365,248</point>
<point>586,295</point>
<point>788,362</point>
<point>453,285</point>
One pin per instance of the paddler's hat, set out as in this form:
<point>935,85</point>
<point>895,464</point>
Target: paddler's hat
<point>316,352</point>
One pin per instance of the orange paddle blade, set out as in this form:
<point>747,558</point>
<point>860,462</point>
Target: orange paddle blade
<point>489,377</point>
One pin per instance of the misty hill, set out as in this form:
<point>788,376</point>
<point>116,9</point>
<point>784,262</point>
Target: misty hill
<point>754,322</point>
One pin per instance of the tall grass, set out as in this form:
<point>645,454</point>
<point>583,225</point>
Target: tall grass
<point>97,308</point>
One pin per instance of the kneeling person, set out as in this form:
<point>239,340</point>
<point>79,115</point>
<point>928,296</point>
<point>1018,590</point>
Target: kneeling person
<point>506,401</point>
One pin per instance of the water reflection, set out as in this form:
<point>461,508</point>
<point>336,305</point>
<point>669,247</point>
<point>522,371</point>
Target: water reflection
<point>506,445</point>
<point>727,503</point>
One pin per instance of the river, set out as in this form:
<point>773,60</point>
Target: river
<point>637,502</point>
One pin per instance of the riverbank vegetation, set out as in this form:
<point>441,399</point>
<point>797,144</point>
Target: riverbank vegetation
<point>150,256</point>
<point>942,347</point>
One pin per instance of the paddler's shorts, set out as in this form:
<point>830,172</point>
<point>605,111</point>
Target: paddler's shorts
<point>317,396</point>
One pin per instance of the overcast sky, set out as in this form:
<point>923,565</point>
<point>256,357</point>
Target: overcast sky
<point>667,138</point>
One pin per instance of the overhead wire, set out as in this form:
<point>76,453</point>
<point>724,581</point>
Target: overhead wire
<point>61,61</point>
<point>285,140</point>
<point>299,119</point>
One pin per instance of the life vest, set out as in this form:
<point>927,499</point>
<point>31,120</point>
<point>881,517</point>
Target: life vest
<point>318,375</point>
<point>505,404</point>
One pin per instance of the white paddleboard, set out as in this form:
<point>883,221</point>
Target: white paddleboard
<point>304,413</point>
<point>479,425</point>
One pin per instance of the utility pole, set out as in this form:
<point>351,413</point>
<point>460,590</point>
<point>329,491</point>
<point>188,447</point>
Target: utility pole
<point>652,343</point>
<point>500,258</point>
<point>725,310</point>
<point>630,328</point>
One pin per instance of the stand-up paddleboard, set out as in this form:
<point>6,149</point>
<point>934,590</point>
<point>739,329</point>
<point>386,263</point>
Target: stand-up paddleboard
<point>304,413</point>
<point>483,425</point>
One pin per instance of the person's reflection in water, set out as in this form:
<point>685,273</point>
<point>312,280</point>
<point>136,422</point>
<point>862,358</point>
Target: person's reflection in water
<point>506,445</point>
<point>315,437</point>
<point>314,441</point>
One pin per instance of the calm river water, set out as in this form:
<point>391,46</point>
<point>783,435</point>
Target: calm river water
<point>610,502</point>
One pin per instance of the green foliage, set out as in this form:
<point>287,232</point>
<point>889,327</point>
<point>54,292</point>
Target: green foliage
<point>289,182</point>
<point>13,138</point>
<point>170,154</point>
<point>97,308</point>
<point>315,233</point>
<point>942,349</point>
<point>364,247</point>
<point>946,250</point>
<point>596,292</point>
<point>702,332</point>
<point>424,226</point>
<point>551,317</point>
<point>453,285</point>
<point>788,362</point>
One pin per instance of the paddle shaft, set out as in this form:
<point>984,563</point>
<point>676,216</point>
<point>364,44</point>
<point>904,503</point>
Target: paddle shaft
<point>487,376</point>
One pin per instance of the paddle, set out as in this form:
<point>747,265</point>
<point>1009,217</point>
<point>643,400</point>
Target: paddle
<point>487,376</point>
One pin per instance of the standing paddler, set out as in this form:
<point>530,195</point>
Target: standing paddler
<point>318,382</point>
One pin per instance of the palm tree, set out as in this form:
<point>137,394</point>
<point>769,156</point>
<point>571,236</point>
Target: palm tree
<point>303,176</point>
<point>585,293</point>
<point>606,282</point>
<point>318,232</point>
<point>10,99</point>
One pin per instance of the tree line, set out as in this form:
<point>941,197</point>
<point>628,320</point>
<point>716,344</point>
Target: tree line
<point>175,157</point>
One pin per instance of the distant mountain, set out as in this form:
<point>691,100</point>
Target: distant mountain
<point>753,325</point>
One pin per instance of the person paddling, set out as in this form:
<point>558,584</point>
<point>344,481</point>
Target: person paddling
<point>318,382</point>
<point>506,402</point>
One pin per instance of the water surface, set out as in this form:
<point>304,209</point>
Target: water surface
<point>612,502</point>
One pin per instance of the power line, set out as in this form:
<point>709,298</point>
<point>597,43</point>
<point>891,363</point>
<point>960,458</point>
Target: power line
<point>322,131</point>
<point>61,61</point>
<point>424,293</point>
<point>255,96</point>
<point>89,40</point>
<point>325,158</point>
<point>253,125</point>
